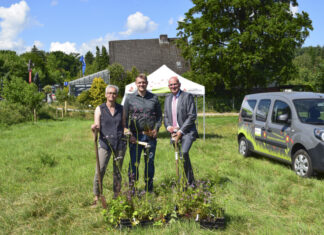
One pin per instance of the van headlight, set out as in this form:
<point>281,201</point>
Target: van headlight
<point>319,133</point>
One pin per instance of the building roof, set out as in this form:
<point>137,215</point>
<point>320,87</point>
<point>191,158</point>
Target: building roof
<point>147,55</point>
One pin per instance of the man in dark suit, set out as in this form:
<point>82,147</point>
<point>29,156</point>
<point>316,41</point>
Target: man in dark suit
<point>179,120</point>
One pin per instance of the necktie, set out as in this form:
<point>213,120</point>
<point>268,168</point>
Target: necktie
<point>174,111</point>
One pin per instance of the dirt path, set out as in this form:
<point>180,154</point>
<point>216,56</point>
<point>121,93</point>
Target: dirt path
<point>218,114</point>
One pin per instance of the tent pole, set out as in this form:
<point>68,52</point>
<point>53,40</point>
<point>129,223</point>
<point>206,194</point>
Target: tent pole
<point>197,111</point>
<point>204,115</point>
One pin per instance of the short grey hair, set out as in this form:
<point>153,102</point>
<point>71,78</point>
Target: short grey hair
<point>112,86</point>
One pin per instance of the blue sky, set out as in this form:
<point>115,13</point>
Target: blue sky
<point>81,25</point>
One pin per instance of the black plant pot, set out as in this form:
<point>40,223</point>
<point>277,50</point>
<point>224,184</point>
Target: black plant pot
<point>125,223</point>
<point>146,222</point>
<point>218,223</point>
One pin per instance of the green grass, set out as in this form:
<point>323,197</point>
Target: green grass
<point>46,173</point>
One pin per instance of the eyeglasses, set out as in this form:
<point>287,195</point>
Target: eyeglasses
<point>111,93</point>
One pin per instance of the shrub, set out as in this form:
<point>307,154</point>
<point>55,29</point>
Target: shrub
<point>97,92</point>
<point>62,95</point>
<point>84,98</point>
<point>12,113</point>
<point>18,91</point>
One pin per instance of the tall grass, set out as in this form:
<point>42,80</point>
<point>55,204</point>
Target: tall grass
<point>47,168</point>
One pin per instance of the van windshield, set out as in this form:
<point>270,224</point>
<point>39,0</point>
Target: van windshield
<point>310,111</point>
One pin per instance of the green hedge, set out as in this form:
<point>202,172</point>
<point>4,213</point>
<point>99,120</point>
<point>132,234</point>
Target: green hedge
<point>12,113</point>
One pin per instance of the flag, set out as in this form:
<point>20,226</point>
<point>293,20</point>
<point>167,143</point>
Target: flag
<point>83,64</point>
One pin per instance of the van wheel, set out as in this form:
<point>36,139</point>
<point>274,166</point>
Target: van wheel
<point>302,164</point>
<point>244,147</point>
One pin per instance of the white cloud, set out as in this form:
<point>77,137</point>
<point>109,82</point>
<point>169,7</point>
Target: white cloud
<point>171,21</point>
<point>293,9</point>
<point>36,43</point>
<point>138,23</point>
<point>181,18</point>
<point>101,41</point>
<point>67,47</point>
<point>14,20</point>
<point>54,2</point>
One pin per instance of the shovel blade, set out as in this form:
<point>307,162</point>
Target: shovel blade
<point>103,201</point>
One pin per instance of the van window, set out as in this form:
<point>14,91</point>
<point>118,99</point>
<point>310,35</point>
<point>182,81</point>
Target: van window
<point>280,108</point>
<point>247,109</point>
<point>310,111</point>
<point>263,110</point>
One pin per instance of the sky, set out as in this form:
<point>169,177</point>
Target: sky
<point>81,25</point>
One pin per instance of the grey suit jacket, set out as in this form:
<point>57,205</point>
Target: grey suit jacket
<point>186,113</point>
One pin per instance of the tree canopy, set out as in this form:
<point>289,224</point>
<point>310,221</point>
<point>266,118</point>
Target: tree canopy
<point>242,43</point>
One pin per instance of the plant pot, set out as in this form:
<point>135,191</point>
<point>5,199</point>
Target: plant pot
<point>125,223</point>
<point>218,223</point>
<point>146,222</point>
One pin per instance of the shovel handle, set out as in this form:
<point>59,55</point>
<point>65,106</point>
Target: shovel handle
<point>97,160</point>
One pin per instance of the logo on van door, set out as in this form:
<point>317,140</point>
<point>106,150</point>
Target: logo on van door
<point>262,146</point>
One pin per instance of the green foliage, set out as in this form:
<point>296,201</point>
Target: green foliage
<point>52,201</point>
<point>12,65</point>
<point>84,98</point>
<point>38,59</point>
<point>18,91</point>
<point>12,113</point>
<point>119,208</point>
<point>310,68</point>
<point>62,67</point>
<point>62,95</point>
<point>101,60</point>
<point>239,43</point>
<point>119,78</point>
<point>47,89</point>
<point>104,57</point>
<point>97,92</point>
<point>89,58</point>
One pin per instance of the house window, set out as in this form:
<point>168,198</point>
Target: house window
<point>178,64</point>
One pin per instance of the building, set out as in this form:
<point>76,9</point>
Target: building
<point>147,55</point>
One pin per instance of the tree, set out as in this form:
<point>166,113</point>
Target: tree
<point>242,43</point>
<point>63,67</point>
<point>89,58</point>
<point>118,76</point>
<point>104,57</point>
<point>19,91</point>
<point>310,68</point>
<point>38,58</point>
<point>12,65</point>
<point>62,95</point>
<point>97,92</point>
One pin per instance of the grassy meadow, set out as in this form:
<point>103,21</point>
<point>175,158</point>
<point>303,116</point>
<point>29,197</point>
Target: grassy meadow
<point>47,168</point>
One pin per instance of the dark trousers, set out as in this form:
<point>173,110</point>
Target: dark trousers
<point>135,151</point>
<point>186,142</point>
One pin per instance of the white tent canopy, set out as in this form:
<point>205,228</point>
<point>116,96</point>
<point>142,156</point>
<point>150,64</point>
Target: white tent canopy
<point>158,84</point>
